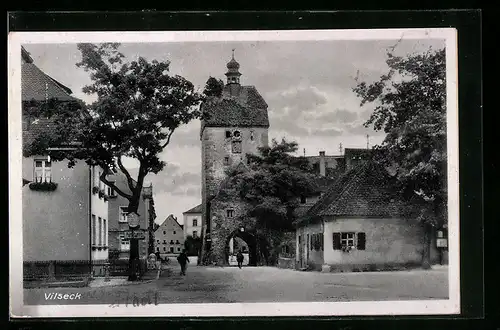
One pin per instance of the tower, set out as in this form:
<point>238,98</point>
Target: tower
<point>237,124</point>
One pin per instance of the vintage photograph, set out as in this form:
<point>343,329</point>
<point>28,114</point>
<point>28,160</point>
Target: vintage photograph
<point>234,173</point>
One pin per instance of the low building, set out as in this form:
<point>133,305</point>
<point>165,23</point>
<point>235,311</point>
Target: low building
<point>65,214</point>
<point>360,223</point>
<point>192,222</point>
<point>169,237</point>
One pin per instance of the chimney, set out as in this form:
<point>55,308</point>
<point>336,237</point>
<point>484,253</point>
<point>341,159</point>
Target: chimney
<point>322,165</point>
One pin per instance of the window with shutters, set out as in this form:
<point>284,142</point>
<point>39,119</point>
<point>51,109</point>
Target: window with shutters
<point>349,240</point>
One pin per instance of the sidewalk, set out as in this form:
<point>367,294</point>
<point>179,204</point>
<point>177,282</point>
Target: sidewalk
<point>100,282</point>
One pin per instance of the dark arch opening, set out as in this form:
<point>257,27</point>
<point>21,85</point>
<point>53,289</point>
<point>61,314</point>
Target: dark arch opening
<point>250,239</point>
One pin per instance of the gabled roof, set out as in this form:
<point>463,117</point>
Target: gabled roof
<point>242,108</point>
<point>196,209</point>
<point>364,191</point>
<point>38,86</point>
<point>171,218</point>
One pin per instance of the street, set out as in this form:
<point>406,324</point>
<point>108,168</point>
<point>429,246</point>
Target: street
<point>258,284</point>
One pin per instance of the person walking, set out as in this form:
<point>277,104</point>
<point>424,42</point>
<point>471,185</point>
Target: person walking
<point>239,259</point>
<point>183,261</point>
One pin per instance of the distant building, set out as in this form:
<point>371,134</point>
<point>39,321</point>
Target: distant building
<point>65,214</point>
<point>192,222</point>
<point>169,237</point>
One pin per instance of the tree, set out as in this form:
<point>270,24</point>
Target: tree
<point>273,186</point>
<point>138,108</point>
<point>213,87</point>
<point>410,106</point>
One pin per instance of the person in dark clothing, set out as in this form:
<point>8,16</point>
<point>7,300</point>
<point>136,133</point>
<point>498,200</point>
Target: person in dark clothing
<point>239,259</point>
<point>183,260</point>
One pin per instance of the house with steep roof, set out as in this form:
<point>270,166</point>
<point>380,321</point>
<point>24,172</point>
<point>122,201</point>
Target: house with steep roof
<point>169,237</point>
<point>361,223</point>
<point>65,212</point>
<point>192,222</point>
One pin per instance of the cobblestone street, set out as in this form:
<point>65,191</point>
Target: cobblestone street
<point>259,284</point>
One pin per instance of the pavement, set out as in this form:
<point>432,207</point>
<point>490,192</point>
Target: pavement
<point>258,284</point>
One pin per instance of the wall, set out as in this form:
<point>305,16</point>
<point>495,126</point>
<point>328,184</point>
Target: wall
<point>169,227</point>
<point>188,224</point>
<point>308,257</point>
<point>56,224</point>
<point>396,241</point>
<point>99,209</point>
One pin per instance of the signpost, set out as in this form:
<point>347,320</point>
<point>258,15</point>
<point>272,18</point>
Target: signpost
<point>442,243</point>
<point>129,234</point>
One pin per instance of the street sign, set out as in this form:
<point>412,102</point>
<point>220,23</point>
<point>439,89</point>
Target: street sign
<point>442,242</point>
<point>134,234</point>
<point>133,219</point>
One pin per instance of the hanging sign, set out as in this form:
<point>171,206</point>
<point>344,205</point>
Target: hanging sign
<point>133,220</point>
<point>134,234</point>
<point>442,243</point>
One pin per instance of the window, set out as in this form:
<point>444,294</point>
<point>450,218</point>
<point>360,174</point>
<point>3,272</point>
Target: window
<point>105,231</point>
<point>228,134</point>
<point>178,249</point>
<point>195,234</point>
<point>237,134</point>
<point>164,249</point>
<point>303,199</point>
<point>227,160</point>
<point>348,240</point>
<point>230,213</point>
<point>158,241</point>
<point>111,191</point>
<point>43,171</point>
<point>172,250</point>
<point>174,232</point>
<point>94,230</point>
<point>164,232</point>
<point>236,147</point>
<point>164,241</point>
<point>122,214</point>
<point>177,242</point>
<point>317,242</point>
<point>171,241</point>
<point>124,243</point>
<point>195,222</point>
<point>157,249</point>
<point>251,135</point>
<point>100,231</point>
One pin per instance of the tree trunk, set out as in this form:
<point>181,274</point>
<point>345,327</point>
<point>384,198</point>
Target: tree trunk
<point>133,263</point>
<point>426,255</point>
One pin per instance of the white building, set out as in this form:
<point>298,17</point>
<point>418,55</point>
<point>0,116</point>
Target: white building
<point>192,222</point>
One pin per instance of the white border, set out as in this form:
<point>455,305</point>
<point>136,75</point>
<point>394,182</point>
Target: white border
<point>434,307</point>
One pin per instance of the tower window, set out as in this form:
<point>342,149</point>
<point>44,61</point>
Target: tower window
<point>230,213</point>
<point>236,147</point>
<point>228,134</point>
<point>251,135</point>
<point>236,134</point>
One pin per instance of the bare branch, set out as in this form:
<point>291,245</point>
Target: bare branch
<point>127,174</point>
<point>112,185</point>
<point>168,139</point>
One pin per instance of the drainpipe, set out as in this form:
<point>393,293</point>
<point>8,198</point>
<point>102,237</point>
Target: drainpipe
<point>90,218</point>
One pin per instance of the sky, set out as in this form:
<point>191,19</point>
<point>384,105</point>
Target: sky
<point>307,85</point>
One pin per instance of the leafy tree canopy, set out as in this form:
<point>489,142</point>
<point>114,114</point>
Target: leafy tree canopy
<point>139,106</point>
<point>274,183</point>
<point>410,106</point>
<point>213,87</point>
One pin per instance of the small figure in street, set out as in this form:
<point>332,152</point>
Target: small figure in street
<point>158,260</point>
<point>183,260</point>
<point>239,259</point>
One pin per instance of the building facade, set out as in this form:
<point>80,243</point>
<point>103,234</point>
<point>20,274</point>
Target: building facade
<point>169,237</point>
<point>64,218</point>
<point>237,124</point>
<point>119,244</point>
<point>361,224</point>
<point>192,222</point>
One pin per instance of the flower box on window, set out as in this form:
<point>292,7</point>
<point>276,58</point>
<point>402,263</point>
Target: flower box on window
<point>43,186</point>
